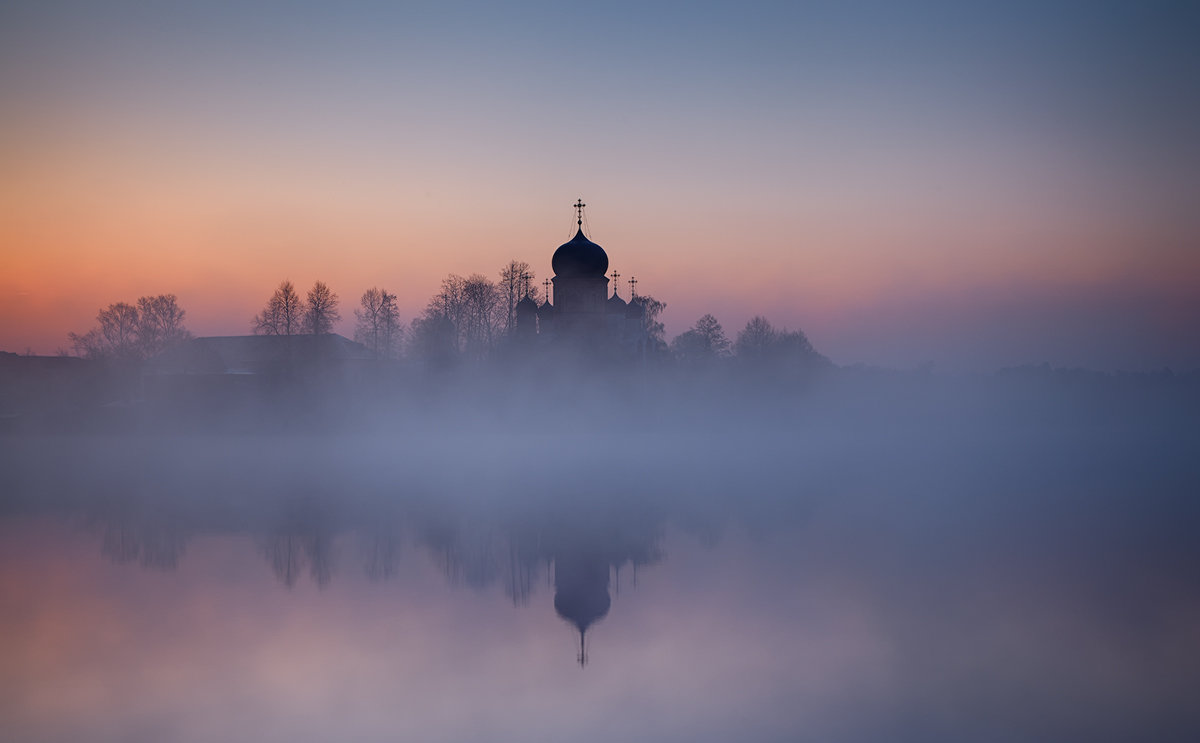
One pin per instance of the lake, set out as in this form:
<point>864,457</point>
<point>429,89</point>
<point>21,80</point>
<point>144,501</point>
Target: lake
<point>831,583</point>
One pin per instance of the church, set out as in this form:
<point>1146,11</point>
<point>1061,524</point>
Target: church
<point>583,316</point>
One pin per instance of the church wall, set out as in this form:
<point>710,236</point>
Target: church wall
<point>579,295</point>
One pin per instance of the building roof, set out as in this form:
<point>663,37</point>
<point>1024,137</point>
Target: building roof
<point>253,354</point>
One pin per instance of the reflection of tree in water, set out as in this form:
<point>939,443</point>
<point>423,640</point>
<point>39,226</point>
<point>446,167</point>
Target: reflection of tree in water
<point>582,546</point>
<point>465,552</point>
<point>290,553</point>
<point>381,555</point>
<point>305,540</point>
<point>131,532</point>
<point>522,570</point>
<point>469,551</point>
<point>158,546</point>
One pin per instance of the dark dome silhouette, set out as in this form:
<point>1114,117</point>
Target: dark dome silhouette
<point>581,590</point>
<point>579,257</point>
<point>583,608</point>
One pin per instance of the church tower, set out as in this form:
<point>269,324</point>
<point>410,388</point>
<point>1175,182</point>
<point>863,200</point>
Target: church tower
<point>580,286</point>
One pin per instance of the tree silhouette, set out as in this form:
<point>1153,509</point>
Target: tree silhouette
<point>482,316</point>
<point>464,317</point>
<point>116,336</point>
<point>756,340</point>
<point>320,310</point>
<point>516,283</point>
<point>760,346</point>
<point>282,315</point>
<point>378,325</point>
<point>704,343</point>
<point>127,332</point>
<point>652,310</point>
<point>160,323</point>
<point>434,339</point>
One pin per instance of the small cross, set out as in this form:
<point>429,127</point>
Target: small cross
<point>525,277</point>
<point>546,284</point>
<point>633,286</point>
<point>615,276</point>
<point>579,211</point>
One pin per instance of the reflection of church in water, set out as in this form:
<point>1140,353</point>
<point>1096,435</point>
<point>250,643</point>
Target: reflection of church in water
<point>582,547</point>
<point>584,568</point>
<point>583,315</point>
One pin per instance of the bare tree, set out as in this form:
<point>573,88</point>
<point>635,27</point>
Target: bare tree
<point>160,323</point>
<point>378,324</point>
<point>116,336</point>
<point>320,311</point>
<point>282,315</point>
<point>516,283</point>
<point>133,332</point>
<point>449,301</point>
<point>464,317</point>
<point>482,316</point>
<point>434,336</point>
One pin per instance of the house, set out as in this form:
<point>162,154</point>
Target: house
<point>244,367</point>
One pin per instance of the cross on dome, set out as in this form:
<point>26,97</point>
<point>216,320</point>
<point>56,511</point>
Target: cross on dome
<point>579,211</point>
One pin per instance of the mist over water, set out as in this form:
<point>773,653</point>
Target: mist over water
<point>322,467</point>
<point>866,556</point>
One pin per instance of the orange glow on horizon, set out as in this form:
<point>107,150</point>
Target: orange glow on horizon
<point>83,229</point>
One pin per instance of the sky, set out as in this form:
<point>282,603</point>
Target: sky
<point>971,186</point>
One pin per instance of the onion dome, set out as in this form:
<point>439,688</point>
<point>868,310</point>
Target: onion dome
<point>582,608</point>
<point>527,305</point>
<point>635,309</point>
<point>615,305</point>
<point>546,310</point>
<point>580,257</point>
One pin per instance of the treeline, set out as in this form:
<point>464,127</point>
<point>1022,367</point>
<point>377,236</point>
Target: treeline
<point>470,318</point>
<point>758,345</point>
<point>133,332</point>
